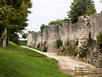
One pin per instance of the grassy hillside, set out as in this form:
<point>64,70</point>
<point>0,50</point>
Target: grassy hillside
<point>20,62</point>
<point>22,43</point>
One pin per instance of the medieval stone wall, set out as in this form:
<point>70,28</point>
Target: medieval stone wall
<point>64,31</point>
<point>32,38</point>
<point>96,25</point>
<point>83,29</point>
<point>73,32</point>
<point>53,35</point>
<point>78,31</point>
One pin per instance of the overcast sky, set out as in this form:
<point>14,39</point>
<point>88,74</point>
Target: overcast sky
<point>44,11</point>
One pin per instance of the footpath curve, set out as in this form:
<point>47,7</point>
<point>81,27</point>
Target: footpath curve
<point>66,64</point>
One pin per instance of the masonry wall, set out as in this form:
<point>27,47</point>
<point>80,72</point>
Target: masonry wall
<point>96,25</point>
<point>32,39</point>
<point>83,29</point>
<point>64,31</point>
<point>78,31</point>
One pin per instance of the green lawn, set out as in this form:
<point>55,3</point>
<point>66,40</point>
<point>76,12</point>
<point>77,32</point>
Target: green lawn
<point>20,62</point>
<point>22,43</point>
<point>36,48</point>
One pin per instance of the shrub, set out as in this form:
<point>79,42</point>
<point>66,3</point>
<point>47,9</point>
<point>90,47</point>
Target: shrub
<point>76,43</point>
<point>67,43</point>
<point>99,39</point>
<point>91,42</point>
<point>83,52</point>
<point>45,49</point>
<point>38,46</point>
<point>70,49</point>
<point>59,43</point>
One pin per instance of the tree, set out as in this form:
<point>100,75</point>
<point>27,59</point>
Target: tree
<point>13,17</point>
<point>81,7</point>
<point>43,26</point>
<point>24,36</point>
<point>59,22</point>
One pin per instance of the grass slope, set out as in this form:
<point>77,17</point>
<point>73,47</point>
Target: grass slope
<point>20,62</point>
<point>36,48</point>
<point>22,42</point>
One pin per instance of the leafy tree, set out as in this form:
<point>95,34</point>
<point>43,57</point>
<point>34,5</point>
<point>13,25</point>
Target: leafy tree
<point>59,22</point>
<point>15,37</point>
<point>43,26</point>
<point>81,7</point>
<point>66,19</point>
<point>13,17</point>
<point>24,36</point>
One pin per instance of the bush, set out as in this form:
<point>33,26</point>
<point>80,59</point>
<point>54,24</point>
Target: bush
<point>76,43</point>
<point>67,43</point>
<point>70,48</point>
<point>91,42</point>
<point>38,46</point>
<point>99,39</point>
<point>45,49</point>
<point>59,43</point>
<point>83,52</point>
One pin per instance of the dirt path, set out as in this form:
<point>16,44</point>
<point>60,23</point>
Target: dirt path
<point>66,64</point>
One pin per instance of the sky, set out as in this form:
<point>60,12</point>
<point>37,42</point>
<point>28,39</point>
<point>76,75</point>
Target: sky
<point>44,11</point>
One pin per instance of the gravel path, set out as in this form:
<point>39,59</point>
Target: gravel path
<point>64,62</point>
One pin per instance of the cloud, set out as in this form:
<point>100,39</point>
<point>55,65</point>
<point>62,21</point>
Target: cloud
<point>44,11</point>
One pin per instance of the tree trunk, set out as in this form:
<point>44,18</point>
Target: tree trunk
<point>5,38</point>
